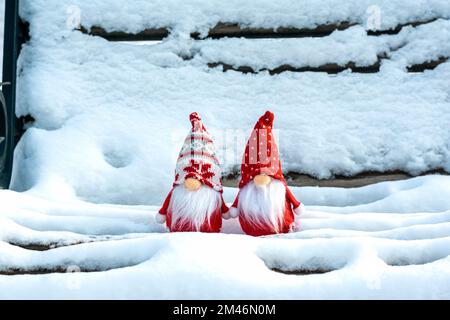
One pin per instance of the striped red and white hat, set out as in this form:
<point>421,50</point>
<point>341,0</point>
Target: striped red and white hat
<point>197,157</point>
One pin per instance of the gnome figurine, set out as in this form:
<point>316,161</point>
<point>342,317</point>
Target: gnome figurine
<point>264,204</point>
<point>195,202</point>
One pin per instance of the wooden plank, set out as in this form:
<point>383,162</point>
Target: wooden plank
<point>429,65</point>
<point>330,68</point>
<point>146,35</point>
<point>44,247</point>
<point>233,30</point>
<point>301,272</point>
<point>360,180</point>
<point>399,28</point>
<point>47,270</point>
<point>221,30</point>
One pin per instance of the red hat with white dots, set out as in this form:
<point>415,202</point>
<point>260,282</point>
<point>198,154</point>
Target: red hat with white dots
<point>261,155</point>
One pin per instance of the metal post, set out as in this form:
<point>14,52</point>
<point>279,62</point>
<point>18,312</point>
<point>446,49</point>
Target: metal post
<point>12,42</point>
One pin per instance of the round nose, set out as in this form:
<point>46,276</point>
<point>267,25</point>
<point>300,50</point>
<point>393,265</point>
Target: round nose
<point>262,180</point>
<point>192,184</point>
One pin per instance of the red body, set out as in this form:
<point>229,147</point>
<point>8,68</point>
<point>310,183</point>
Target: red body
<point>212,226</point>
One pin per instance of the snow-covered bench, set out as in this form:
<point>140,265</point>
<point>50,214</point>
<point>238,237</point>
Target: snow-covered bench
<point>109,116</point>
<point>118,111</point>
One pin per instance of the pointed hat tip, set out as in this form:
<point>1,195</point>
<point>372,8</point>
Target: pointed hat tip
<point>194,117</point>
<point>267,118</point>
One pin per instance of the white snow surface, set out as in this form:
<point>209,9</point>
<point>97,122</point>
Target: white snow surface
<point>92,171</point>
<point>353,235</point>
<point>111,117</point>
<point>411,46</point>
<point>185,16</point>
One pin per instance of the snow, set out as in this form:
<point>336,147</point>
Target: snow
<point>121,253</point>
<point>202,15</point>
<point>341,47</point>
<point>425,43</point>
<point>411,46</point>
<point>359,123</point>
<point>142,95</point>
<point>92,171</point>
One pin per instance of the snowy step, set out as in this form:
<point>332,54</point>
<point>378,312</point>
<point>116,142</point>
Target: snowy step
<point>371,250</point>
<point>294,256</point>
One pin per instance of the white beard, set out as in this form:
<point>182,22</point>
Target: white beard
<point>263,205</point>
<point>192,208</point>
